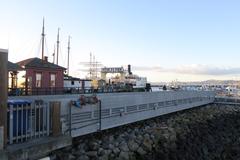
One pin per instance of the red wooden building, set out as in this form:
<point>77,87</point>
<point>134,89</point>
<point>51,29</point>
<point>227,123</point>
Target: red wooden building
<point>42,77</point>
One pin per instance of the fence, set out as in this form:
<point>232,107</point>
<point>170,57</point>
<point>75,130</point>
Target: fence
<point>117,110</point>
<point>28,121</point>
<point>227,100</point>
<point>62,90</point>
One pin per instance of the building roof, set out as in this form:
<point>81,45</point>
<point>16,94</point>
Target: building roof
<point>38,63</point>
<point>3,50</point>
<point>70,78</point>
<point>14,67</point>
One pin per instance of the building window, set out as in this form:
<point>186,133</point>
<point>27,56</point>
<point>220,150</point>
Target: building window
<point>72,82</point>
<point>38,80</point>
<point>52,80</point>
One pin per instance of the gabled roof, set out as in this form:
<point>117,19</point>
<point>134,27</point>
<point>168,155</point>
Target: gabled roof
<point>14,67</point>
<point>38,63</point>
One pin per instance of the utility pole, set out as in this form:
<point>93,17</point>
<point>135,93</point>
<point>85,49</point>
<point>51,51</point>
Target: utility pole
<point>58,44</point>
<point>43,39</point>
<point>68,54</point>
<point>3,94</point>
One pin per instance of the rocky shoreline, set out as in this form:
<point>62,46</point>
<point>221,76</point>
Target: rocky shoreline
<point>207,132</point>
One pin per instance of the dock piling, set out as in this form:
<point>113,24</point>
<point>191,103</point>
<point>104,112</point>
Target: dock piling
<point>56,124</point>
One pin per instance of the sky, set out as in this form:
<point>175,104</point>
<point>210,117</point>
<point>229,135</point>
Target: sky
<point>164,40</point>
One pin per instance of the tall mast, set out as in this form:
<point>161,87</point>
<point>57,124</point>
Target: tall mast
<point>93,66</point>
<point>68,54</point>
<point>90,65</point>
<point>54,54</point>
<point>43,37</point>
<point>58,44</point>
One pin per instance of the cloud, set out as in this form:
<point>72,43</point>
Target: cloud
<point>147,68</point>
<point>194,69</point>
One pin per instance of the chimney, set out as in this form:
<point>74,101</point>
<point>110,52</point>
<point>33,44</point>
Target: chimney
<point>129,70</point>
<point>45,59</point>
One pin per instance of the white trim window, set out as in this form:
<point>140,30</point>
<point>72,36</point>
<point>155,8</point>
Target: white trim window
<point>38,80</point>
<point>52,80</point>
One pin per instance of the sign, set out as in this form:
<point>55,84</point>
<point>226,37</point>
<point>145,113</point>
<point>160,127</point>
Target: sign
<point>112,70</point>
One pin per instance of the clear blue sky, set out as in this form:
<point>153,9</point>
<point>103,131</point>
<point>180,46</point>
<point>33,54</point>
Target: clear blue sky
<point>163,40</point>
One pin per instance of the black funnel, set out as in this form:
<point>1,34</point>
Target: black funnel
<point>129,70</point>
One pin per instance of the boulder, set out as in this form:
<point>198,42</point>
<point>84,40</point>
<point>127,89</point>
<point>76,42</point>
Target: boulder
<point>123,147</point>
<point>92,153</point>
<point>132,145</point>
<point>141,152</point>
<point>123,155</point>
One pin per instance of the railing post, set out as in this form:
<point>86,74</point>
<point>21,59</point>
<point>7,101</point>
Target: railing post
<point>3,92</point>
<point>10,124</point>
<point>56,124</point>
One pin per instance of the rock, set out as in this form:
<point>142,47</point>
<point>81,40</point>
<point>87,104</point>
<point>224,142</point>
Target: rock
<point>81,146</point>
<point>116,151</point>
<point>116,144</point>
<point>123,147</point>
<point>83,157</point>
<point>132,135</point>
<point>79,152</point>
<point>152,136</point>
<point>146,136</point>
<point>93,146</point>
<point>111,146</point>
<point>132,156</point>
<point>120,139</point>
<point>123,155</point>
<point>141,152</point>
<point>111,156</point>
<point>132,145</point>
<point>111,138</point>
<point>139,139</point>
<point>71,157</point>
<point>108,152</point>
<point>92,153</point>
<point>147,144</point>
<point>104,157</point>
<point>101,151</point>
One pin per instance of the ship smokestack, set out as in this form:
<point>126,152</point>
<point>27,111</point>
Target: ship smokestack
<point>129,70</point>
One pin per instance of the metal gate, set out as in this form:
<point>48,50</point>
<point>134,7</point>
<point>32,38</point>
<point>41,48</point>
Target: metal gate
<point>28,121</point>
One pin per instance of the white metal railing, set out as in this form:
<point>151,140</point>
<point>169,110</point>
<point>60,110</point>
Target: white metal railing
<point>227,100</point>
<point>28,121</point>
<point>83,122</point>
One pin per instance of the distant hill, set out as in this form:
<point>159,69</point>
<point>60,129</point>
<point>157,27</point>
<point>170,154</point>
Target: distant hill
<point>207,82</point>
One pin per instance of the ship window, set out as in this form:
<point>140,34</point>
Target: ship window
<point>72,82</point>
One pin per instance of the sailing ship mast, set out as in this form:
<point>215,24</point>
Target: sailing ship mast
<point>58,45</point>
<point>68,54</point>
<point>90,67</point>
<point>43,39</point>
